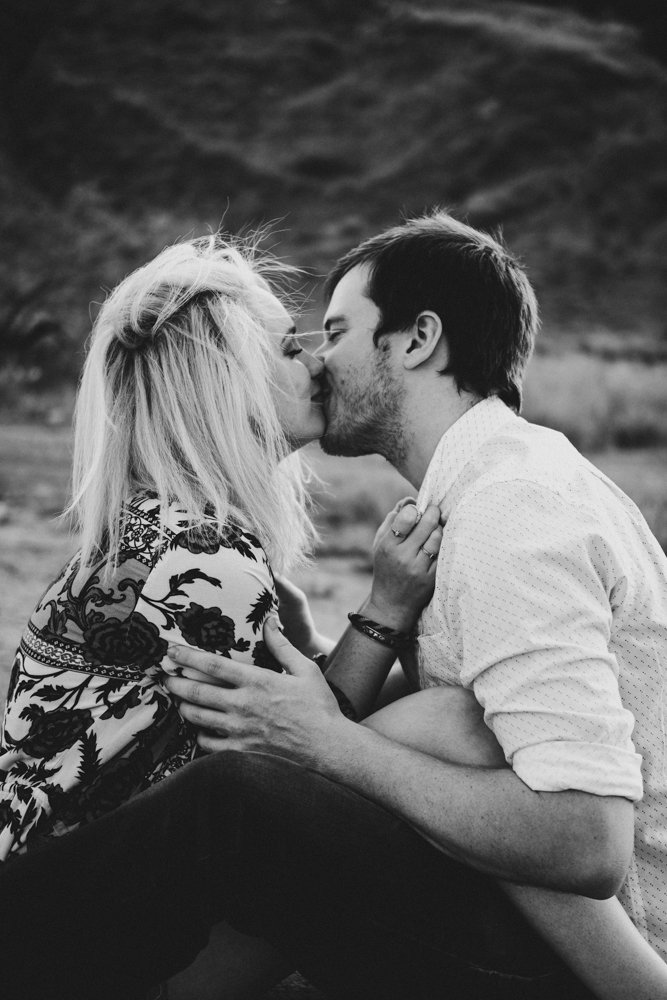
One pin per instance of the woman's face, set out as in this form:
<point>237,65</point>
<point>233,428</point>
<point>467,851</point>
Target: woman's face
<point>297,393</point>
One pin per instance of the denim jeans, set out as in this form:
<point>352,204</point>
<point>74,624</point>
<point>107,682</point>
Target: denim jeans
<point>360,903</point>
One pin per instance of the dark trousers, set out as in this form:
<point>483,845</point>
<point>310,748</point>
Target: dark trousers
<point>361,904</point>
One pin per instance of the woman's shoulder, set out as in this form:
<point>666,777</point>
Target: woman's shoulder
<point>207,538</point>
<point>212,587</point>
<point>210,539</point>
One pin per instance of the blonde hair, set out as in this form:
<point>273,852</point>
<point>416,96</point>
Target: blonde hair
<point>175,398</point>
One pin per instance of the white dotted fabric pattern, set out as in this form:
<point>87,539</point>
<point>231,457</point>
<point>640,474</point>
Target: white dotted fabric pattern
<point>551,604</point>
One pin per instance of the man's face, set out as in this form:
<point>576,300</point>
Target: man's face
<point>363,393</point>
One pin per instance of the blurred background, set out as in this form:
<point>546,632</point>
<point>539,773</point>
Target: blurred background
<point>126,125</point>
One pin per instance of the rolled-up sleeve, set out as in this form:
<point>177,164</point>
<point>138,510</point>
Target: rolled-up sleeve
<point>528,576</point>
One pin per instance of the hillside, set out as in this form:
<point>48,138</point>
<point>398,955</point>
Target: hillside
<point>146,119</point>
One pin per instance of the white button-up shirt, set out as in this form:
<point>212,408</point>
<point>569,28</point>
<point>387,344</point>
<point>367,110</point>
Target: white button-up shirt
<point>551,605</point>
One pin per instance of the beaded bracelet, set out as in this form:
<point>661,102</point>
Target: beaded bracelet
<point>386,636</point>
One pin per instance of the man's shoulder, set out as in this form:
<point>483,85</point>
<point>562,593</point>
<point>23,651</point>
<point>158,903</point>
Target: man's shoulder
<point>528,455</point>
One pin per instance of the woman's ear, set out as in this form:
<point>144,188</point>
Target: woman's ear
<point>423,340</point>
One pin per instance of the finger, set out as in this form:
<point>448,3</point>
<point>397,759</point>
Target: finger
<point>386,525</point>
<point>431,546</point>
<point>198,693</point>
<point>402,503</point>
<point>404,521</point>
<point>287,656</point>
<point>197,675</point>
<point>205,718</point>
<point>429,522</point>
<point>215,744</point>
<point>219,667</point>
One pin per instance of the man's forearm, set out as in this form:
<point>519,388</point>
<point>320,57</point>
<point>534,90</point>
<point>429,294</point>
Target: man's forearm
<point>488,818</point>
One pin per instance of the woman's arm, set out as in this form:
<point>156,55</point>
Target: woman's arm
<point>403,581</point>
<point>297,620</point>
<point>596,938</point>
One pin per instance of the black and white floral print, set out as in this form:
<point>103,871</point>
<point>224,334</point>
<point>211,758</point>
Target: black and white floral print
<point>88,723</point>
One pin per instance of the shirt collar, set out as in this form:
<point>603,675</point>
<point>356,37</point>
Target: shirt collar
<point>458,445</point>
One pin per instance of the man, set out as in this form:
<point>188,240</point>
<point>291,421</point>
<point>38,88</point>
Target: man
<point>551,596</point>
<point>550,605</point>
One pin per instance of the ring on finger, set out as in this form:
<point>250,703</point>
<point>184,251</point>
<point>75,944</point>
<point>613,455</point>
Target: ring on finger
<point>399,534</point>
<point>426,552</point>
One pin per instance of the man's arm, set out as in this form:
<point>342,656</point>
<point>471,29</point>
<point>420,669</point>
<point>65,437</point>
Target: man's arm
<point>486,818</point>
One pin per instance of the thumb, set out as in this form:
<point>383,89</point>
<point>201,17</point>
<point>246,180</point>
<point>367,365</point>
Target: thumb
<point>287,656</point>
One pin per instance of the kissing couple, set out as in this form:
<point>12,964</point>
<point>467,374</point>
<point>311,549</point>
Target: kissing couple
<point>199,793</point>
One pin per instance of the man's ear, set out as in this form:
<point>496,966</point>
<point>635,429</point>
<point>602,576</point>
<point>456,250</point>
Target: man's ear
<point>423,340</point>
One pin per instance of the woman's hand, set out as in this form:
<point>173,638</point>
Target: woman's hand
<point>405,553</point>
<point>297,621</point>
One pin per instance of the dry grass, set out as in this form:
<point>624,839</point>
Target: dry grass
<point>598,403</point>
<point>34,469</point>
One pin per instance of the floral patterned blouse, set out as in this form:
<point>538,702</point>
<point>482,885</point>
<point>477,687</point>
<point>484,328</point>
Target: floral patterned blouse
<point>87,722</point>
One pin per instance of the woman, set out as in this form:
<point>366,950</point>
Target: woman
<point>194,394</point>
<point>188,500</point>
<point>189,495</point>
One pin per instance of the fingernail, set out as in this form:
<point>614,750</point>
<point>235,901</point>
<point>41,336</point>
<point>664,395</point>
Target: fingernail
<point>172,652</point>
<point>273,623</point>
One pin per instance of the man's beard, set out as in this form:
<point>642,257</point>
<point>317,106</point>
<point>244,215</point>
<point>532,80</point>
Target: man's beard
<point>367,419</point>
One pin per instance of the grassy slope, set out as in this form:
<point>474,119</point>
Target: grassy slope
<point>339,117</point>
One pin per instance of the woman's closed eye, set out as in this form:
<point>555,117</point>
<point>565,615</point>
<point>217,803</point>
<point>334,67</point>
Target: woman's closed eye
<point>290,345</point>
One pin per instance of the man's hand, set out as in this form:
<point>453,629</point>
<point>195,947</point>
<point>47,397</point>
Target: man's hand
<point>485,817</point>
<point>244,707</point>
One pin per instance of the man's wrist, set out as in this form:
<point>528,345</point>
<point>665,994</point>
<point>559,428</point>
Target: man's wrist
<point>337,748</point>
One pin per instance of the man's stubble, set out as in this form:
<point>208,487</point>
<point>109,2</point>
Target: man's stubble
<point>366,417</point>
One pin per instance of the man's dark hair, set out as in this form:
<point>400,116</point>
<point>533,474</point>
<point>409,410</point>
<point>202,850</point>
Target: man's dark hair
<point>470,280</point>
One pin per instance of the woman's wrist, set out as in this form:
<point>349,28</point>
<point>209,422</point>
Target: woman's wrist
<point>400,619</point>
<point>318,644</point>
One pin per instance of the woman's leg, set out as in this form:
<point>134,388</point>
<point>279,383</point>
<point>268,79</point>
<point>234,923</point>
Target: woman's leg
<point>353,897</point>
<point>233,966</point>
<point>596,938</point>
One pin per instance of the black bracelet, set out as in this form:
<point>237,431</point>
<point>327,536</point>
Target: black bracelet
<point>386,636</point>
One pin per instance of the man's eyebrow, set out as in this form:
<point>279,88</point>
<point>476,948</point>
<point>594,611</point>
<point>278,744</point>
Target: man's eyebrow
<point>334,319</point>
